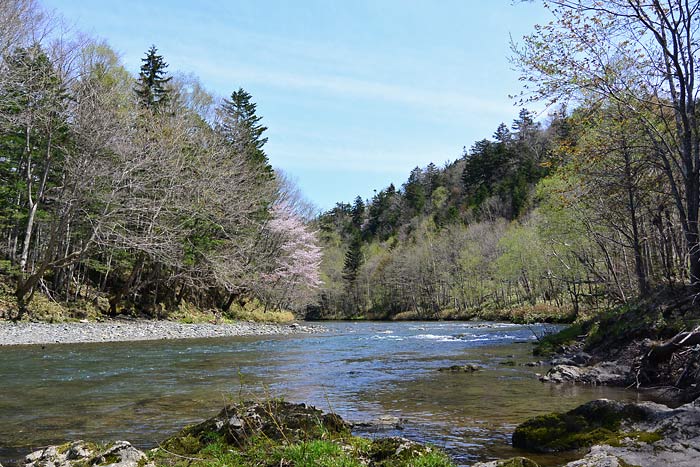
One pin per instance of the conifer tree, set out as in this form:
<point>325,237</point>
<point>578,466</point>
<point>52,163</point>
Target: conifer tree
<point>353,259</point>
<point>358,213</point>
<point>241,127</point>
<point>151,86</point>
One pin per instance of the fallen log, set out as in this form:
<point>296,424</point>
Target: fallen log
<point>663,352</point>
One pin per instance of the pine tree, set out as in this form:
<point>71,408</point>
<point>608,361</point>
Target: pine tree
<point>241,127</point>
<point>151,86</point>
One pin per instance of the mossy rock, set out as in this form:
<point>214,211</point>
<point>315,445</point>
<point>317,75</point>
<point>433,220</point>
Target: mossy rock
<point>185,444</point>
<point>592,423</point>
<point>238,424</point>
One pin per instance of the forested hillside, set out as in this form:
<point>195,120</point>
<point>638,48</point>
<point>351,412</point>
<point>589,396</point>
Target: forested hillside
<point>541,221</point>
<point>596,205</point>
<point>123,193</point>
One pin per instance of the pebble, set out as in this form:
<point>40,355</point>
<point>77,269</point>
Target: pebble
<point>24,333</point>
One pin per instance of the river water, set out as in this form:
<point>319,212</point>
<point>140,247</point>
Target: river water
<point>145,391</point>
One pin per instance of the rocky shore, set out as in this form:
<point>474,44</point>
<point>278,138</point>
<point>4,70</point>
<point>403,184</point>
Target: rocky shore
<point>653,346</point>
<point>275,432</point>
<point>24,333</point>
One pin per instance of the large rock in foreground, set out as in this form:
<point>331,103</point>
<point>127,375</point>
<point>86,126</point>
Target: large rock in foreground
<point>279,433</point>
<point>620,434</point>
<point>275,419</point>
<point>589,424</point>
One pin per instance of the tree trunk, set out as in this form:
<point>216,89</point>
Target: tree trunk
<point>33,204</point>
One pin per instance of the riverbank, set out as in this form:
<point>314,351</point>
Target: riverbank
<point>27,333</point>
<point>650,345</point>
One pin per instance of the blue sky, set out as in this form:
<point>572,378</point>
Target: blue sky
<point>355,93</point>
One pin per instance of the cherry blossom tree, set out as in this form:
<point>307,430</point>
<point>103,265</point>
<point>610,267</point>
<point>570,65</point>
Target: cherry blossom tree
<point>294,273</point>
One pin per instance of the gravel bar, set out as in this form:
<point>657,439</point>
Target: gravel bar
<point>122,330</point>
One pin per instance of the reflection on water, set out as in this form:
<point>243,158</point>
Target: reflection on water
<point>145,391</point>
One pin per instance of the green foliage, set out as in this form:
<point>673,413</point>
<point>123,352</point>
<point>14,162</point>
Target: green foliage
<point>659,316</point>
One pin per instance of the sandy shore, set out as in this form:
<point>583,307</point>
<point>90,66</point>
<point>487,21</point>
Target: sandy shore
<point>118,331</point>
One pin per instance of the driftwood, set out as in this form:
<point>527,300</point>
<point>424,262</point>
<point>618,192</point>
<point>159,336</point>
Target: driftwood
<point>663,352</point>
<point>646,367</point>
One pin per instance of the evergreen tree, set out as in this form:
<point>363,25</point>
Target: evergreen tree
<point>502,134</point>
<point>414,191</point>
<point>151,86</point>
<point>358,213</point>
<point>241,127</point>
<point>353,259</point>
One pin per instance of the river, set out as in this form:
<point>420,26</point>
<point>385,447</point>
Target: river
<point>145,391</point>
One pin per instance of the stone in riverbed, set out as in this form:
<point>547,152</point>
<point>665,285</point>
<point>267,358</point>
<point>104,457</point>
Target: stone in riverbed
<point>533,364</point>
<point>608,373</point>
<point>395,450</point>
<point>469,368</point>
<point>384,422</point>
<point>645,434</point>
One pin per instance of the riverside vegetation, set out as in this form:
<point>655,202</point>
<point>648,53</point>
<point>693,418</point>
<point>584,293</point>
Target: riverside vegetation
<point>112,201</point>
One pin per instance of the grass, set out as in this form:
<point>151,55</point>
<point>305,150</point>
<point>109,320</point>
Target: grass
<point>345,451</point>
<point>317,453</point>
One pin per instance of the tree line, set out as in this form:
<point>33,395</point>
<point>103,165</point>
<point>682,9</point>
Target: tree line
<point>137,192</point>
<point>597,204</point>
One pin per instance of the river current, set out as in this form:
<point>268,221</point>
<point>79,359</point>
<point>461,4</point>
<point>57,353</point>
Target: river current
<point>146,391</point>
